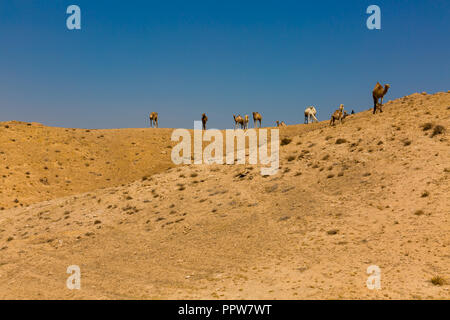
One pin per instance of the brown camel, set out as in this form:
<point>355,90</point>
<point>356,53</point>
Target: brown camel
<point>154,119</point>
<point>281,124</point>
<point>246,122</point>
<point>238,121</point>
<point>339,114</point>
<point>257,117</point>
<point>204,120</point>
<point>378,93</point>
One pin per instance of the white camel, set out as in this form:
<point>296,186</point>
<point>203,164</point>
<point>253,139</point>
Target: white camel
<point>310,112</point>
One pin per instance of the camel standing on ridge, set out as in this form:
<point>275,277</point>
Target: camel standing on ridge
<point>238,121</point>
<point>339,114</point>
<point>310,112</point>
<point>246,122</point>
<point>154,119</point>
<point>204,120</point>
<point>377,93</point>
<point>281,124</point>
<point>257,117</point>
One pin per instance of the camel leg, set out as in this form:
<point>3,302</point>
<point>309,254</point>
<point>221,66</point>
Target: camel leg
<point>375,103</point>
<point>381,105</point>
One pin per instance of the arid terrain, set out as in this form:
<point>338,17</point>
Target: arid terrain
<point>372,191</point>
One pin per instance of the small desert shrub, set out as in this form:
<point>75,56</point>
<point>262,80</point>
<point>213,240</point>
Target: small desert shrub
<point>438,281</point>
<point>406,142</point>
<point>291,158</point>
<point>427,126</point>
<point>326,157</point>
<point>285,141</point>
<point>419,212</point>
<point>330,176</point>
<point>341,141</point>
<point>437,130</point>
<point>193,175</point>
<point>425,194</point>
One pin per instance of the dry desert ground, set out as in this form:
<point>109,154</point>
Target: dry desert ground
<point>372,191</point>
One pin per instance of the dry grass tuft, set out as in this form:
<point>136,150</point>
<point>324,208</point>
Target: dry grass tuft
<point>285,141</point>
<point>438,280</point>
<point>437,130</point>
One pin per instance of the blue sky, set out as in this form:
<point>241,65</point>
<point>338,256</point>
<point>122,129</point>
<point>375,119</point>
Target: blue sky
<point>183,58</point>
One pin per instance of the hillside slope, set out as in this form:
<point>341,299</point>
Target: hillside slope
<point>41,163</point>
<point>372,191</point>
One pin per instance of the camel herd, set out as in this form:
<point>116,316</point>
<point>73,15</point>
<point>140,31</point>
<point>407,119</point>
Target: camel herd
<point>310,113</point>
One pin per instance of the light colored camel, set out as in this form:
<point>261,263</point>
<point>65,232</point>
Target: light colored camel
<point>339,114</point>
<point>310,112</point>
<point>378,93</point>
<point>246,121</point>
<point>238,121</point>
<point>204,120</point>
<point>154,119</point>
<point>257,117</point>
<point>281,124</point>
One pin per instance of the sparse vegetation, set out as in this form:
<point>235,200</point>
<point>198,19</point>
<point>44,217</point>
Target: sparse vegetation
<point>341,141</point>
<point>285,141</point>
<point>437,130</point>
<point>427,126</point>
<point>438,280</point>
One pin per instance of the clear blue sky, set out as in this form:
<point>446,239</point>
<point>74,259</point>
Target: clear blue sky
<point>182,58</point>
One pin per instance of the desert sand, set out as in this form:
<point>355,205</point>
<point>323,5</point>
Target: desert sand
<point>372,191</point>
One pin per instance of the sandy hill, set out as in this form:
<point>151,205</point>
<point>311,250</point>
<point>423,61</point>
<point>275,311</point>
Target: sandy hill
<point>372,191</point>
<point>41,163</point>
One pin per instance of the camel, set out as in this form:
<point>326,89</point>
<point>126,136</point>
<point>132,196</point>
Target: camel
<point>257,117</point>
<point>310,112</point>
<point>378,93</point>
<point>204,120</point>
<point>246,122</point>
<point>238,121</point>
<point>353,111</point>
<point>281,124</point>
<point>339,114</point>
<point>154,119</point>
